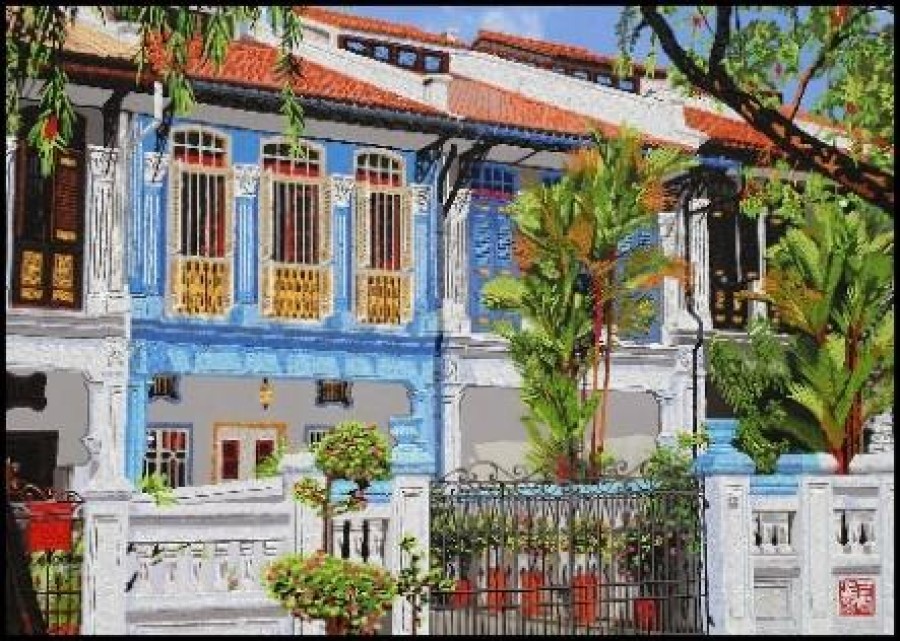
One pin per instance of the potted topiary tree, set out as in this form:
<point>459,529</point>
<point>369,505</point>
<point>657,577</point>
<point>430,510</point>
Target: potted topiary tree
<point>350,596</point>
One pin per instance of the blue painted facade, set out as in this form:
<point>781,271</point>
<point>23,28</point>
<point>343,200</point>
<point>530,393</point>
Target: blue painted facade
<point>245,344</point>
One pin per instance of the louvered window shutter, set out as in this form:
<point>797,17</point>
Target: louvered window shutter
<point>325,215</point>
<point>407,238</point>
<point>66,230</point>
<point>176,179</point>
<point>266,247</point>
<point>227,272</point>
<point>363,207</point>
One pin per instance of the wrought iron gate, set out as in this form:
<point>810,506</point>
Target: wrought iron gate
<point>618,555</point>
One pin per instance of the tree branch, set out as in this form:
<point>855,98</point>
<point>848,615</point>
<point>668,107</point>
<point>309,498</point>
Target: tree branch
<point>722,37</point>
<point>867,181</point>
<point>836,39</point>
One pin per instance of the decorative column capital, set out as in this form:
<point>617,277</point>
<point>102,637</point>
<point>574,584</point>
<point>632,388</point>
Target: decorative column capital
<point>246,180</point>
<point>421,198</point>
<point>460,206</point>
<point>155,166</point>
<point>102,162</point>
<point>342,189</point>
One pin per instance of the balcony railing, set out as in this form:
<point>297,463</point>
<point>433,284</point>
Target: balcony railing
<point>299,292</point>
<point>383,297</point>
<point>201,286</point>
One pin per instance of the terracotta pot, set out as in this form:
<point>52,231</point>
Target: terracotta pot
<point>531,582</point>
<point>335,626</point>
<point>585,597</point>
<point>463,594</point>
<point>64,629</point>
<point>646,614</point>
<point>497,595</point>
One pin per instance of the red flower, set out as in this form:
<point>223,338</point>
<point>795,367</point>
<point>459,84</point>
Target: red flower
<point>839,15</point>
<point>851,108</point>
<point>51,128</point>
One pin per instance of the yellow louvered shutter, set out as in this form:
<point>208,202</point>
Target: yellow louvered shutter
<point>407,239</point>
<point>226,269</point>
<point>266,269</point>
<point>173,262</point>
<point>325,214</point>
<point>362,298</point>
<point>363,251</point>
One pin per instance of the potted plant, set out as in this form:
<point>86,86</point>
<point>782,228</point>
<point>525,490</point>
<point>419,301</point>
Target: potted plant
<point>589,538</point>
<point>350,596</point>
<point>537,538</point>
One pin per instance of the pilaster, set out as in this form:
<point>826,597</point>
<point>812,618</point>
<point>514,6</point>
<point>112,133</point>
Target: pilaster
<point>137,399</point>
<point>816,499</point>
<point>151,225</point>
<point>451,399</point>
<point>246,179</point>
<point>104,240</point>
<point>456,318</point>
<point>342,190</point>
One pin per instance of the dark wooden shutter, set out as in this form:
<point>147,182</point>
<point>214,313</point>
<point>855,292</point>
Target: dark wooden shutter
<point>66,242</point>
<point>231,457</point>
<point>49,228</point>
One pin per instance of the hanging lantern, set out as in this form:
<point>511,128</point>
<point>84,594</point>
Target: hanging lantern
<point>266,393</point>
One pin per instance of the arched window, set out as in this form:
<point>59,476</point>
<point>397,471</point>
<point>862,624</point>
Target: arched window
<point>201,206</point>
<point>295,233</point>
<point>48,229</point>
<point>383,239</point>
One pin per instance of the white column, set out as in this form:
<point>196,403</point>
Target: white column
<point>728,563</point>
<point>672,289</point>
<point>100,242</point>
<point>104,572</point>
<point>816,580</point>
<point>106,418</point>
<point>409,516</point>
<point>451,397</point>
<point>10,210</point>
<point>456,318</point>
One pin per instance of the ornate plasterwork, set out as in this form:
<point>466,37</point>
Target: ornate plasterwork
<point>246,180</point>
<point>155,166</point>
<point>460,206</point>
<point>93,444</point>
<point>421,199</point>
<point>103,163</point>
<point>342,187</point>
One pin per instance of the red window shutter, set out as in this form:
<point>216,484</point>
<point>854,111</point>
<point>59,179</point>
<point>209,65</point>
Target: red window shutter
<point>231,457</point>
<point>264,448</point>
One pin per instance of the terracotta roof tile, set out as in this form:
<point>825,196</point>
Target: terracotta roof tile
<point>725,130</point>
<point>482,102</point>
<point>546,48</point>
<point>373,25</point>
<point>252,64</point>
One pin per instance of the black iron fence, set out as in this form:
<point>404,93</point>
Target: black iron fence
<point>616,556</point>
<point>52,530</point>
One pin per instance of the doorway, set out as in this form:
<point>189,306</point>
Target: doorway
<point>239,447</point>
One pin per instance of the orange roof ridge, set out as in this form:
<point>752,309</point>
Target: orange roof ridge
<point>374,25</point>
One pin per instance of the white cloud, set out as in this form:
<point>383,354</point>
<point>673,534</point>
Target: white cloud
<point>515,20</point>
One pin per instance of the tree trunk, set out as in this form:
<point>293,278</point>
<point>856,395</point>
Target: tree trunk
<point>598,327</point>
<point>853,427</point>
<point>607,371</point>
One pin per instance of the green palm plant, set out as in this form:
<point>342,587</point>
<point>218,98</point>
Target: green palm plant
<point>831,282</point>
<point>577,226</point>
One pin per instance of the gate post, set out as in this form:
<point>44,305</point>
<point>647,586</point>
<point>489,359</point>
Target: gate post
<point>307,523</point>
<point>409,516</point>
<point>728,522</point>
<point>104,572</point>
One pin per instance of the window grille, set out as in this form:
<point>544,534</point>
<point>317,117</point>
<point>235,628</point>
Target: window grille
<point>295,231</point>
<point>165,387</point>
<point>383,240</point>
<point>168,454</point>
<point>315,433</point>
<point>416,59</point>
<point>493,181</point>
<point>201,206</point>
